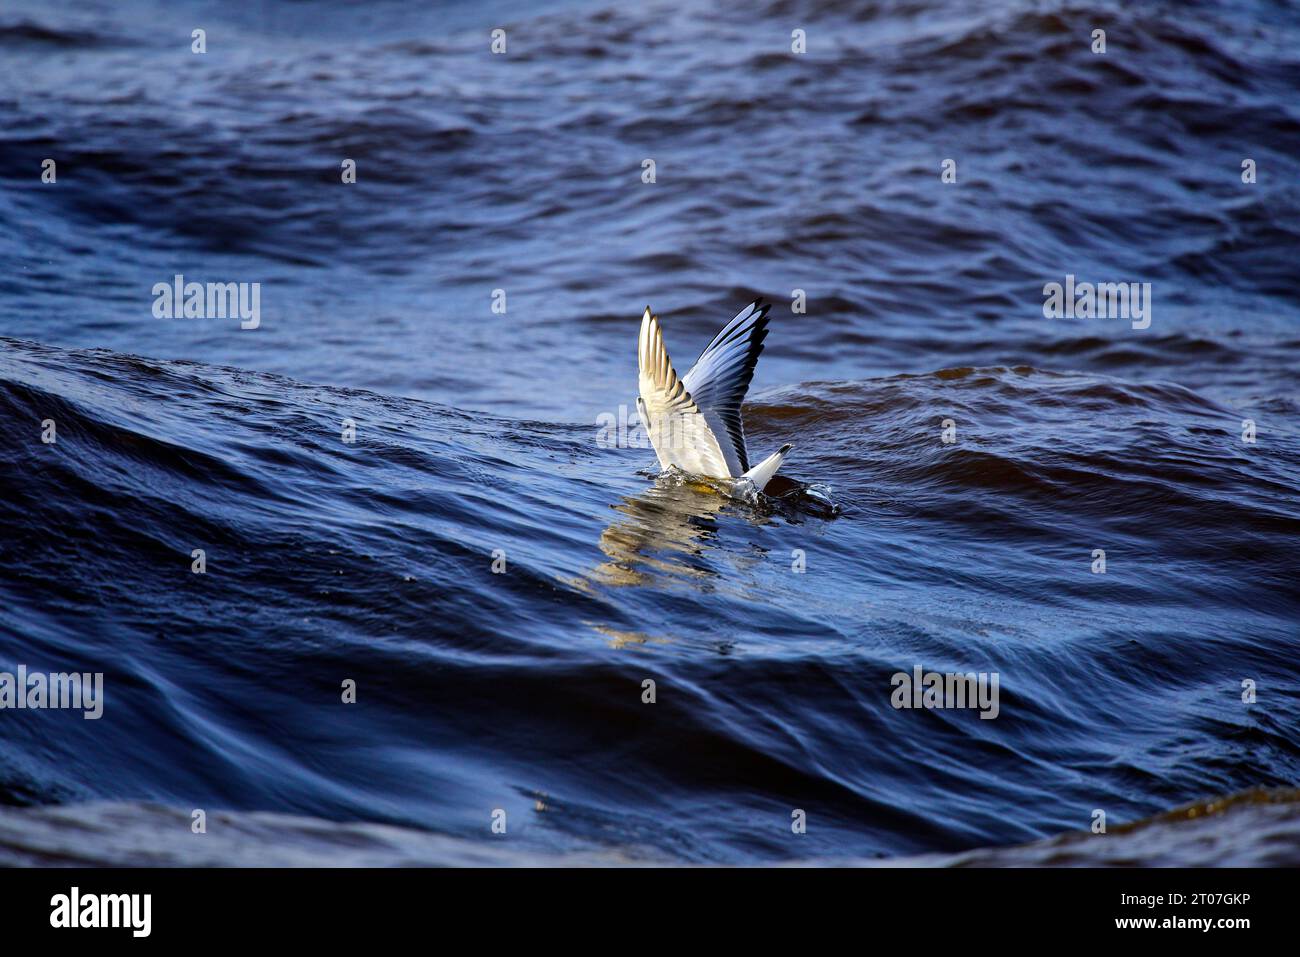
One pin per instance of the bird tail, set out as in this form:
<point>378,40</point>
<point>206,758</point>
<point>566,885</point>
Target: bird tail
<point>762,473</point>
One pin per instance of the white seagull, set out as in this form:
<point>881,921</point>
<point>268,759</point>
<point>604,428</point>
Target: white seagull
<point>694,421</point>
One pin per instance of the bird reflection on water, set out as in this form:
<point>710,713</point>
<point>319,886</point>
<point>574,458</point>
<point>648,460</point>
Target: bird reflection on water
<point>667,530</point>
<point>671,530</point>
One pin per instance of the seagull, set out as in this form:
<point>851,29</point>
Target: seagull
<point>694,421</point>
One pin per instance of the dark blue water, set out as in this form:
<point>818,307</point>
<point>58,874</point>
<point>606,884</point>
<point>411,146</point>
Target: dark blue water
<point>476,430</point>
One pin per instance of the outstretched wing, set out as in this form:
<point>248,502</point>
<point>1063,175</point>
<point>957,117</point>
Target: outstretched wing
<point>678,428</point>
<point>721,375</point>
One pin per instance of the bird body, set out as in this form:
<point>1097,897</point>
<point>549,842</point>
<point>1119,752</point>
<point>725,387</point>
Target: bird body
<point>694,421</point>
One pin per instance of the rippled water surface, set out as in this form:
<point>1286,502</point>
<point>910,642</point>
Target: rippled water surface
<point>476,430</point>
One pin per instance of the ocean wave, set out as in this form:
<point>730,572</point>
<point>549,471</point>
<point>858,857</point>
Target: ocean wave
<point>1252,829</point>
<point>374,561</point>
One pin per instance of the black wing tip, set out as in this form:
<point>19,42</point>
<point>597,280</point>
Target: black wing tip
<point>785,448</point>
<point>760,324</point>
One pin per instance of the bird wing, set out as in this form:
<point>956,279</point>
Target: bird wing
<point>721,375</point>
<point>679,431</point>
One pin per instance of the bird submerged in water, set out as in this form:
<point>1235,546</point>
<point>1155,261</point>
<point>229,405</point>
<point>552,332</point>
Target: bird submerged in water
<point>694,421</point>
